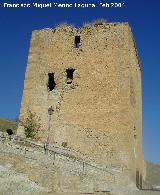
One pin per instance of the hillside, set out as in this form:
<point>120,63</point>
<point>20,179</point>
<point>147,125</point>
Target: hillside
<point>153,174</point>
<point>8,124</point>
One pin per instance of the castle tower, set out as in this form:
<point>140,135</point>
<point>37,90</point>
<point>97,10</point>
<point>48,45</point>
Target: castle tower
<point>92,78</point>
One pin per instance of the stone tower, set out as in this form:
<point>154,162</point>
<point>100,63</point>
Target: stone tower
<point>91,76</point>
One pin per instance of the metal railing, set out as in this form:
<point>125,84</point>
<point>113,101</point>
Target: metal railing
<point>55,150</point>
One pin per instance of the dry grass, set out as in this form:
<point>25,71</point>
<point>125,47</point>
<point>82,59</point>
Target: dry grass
<point>153,174</point>
<point>8,124</point>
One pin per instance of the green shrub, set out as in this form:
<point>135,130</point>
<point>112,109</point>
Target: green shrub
<point>31,125</point>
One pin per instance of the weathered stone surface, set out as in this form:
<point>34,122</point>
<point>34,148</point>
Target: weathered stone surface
<point>98,112</point>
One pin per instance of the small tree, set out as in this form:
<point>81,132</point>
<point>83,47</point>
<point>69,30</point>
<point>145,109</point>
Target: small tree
<point>31,125</point>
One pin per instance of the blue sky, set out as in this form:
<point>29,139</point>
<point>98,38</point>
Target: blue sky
<point>16,25</point>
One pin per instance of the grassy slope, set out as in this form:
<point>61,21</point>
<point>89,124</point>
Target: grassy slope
<point>153,173</point>
<point>8,124</point>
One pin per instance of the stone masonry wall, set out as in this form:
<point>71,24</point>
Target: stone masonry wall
<point>96,113</point>
<point>136,109</point>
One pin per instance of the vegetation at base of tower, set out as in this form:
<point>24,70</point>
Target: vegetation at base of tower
<point>31,125</point>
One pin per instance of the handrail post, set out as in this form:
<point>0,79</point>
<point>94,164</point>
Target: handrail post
<point>83,166</point>
<point>54,155</point>
<point>45,148</point>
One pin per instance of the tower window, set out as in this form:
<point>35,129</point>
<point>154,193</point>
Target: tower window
<point>51,82</point>
<point>77,41</point>
<point>70,72</point>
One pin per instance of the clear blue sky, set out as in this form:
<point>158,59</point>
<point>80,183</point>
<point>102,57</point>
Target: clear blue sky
<point>143,16</point>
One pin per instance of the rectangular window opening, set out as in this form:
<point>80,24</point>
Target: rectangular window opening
<point>77,41</point>
<point>70,72</point>
<point>51,82</point>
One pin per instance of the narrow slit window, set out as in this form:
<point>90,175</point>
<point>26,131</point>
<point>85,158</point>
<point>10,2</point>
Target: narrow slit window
<point>70,72</point>
<point>51,82</point>
<point>77,41</point>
